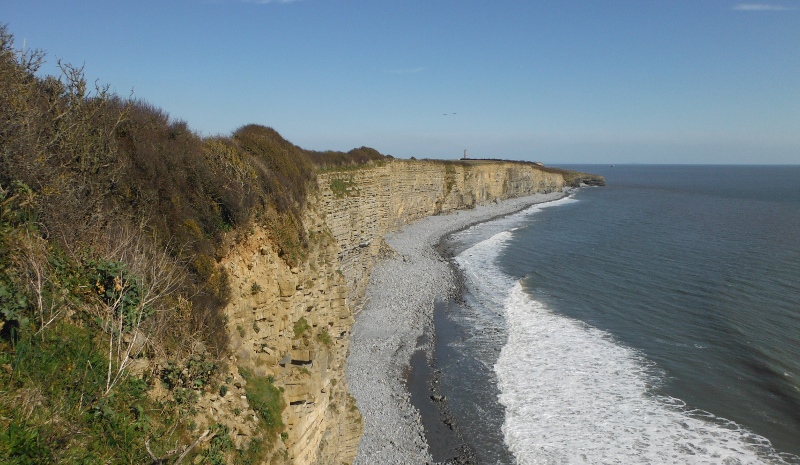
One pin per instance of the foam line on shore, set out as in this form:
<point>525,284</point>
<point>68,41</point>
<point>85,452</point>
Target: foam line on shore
<point>398,309</point>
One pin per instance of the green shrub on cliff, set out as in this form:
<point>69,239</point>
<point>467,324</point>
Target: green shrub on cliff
<point>324,337</point>
<point>267,400</point>
<point>300,327</point>
<point>343,188</point>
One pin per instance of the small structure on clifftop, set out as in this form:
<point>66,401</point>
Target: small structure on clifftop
<point>465,155</point>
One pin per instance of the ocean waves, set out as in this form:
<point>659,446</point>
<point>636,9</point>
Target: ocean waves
<point>574,394</point>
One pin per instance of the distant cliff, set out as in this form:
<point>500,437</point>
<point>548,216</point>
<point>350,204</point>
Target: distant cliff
<point>381,199</point>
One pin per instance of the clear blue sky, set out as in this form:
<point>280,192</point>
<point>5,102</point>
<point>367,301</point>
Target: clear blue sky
<point>679,81</point>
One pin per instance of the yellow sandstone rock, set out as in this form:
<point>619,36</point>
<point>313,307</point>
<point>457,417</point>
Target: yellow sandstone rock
<point>346,231</point>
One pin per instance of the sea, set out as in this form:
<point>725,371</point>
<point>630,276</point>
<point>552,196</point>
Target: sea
<point>655,320</point>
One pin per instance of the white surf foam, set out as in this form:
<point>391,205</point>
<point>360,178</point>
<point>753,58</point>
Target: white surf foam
<point>574,395</point>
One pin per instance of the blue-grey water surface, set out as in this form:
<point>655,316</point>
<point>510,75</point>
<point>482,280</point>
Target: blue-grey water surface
<point>654,320</point>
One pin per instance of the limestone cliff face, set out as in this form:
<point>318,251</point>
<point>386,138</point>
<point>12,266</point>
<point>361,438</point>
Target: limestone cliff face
<point>361,206</point>
<point>292,324</point>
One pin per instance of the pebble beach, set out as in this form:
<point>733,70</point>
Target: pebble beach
<point>398,310</point>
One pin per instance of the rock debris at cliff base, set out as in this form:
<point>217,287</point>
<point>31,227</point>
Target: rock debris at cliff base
<point>398,309</point>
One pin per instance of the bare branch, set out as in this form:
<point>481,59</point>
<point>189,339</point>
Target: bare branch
<point>189,449</point>
<point>154,459</point>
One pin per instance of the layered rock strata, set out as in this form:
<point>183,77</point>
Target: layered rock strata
<point>293,324</point>
<point>361,206</point>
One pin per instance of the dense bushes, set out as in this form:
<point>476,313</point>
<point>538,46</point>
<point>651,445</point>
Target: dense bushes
<point>100,167</point>
<point>336,160</point>
<point>113,217</point>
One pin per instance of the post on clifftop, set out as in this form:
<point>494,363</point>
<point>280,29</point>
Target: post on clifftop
<point>465,155</point>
